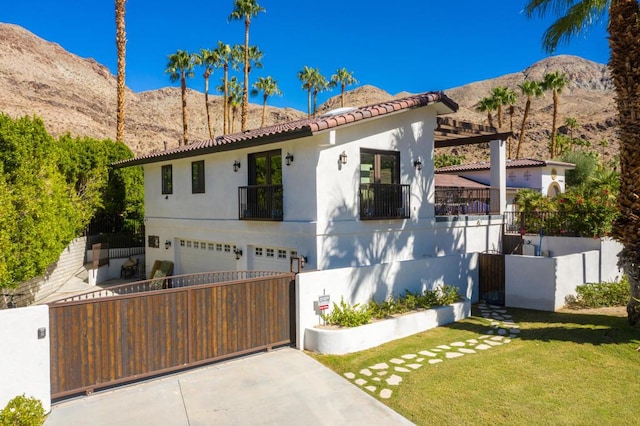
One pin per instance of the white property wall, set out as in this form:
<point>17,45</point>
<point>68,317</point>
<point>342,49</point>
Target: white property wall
<point>24,357</point>
<point>360,284</point>
<point>542,283</point>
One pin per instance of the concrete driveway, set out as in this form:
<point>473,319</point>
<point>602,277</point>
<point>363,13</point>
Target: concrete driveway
<point>281,387</point>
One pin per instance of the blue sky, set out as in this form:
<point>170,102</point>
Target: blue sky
<point>412,45</point>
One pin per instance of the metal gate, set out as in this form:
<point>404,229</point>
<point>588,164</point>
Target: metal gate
<point>492,280</point>
<point>129,332</point>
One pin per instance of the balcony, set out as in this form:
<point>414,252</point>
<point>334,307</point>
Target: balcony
<point>260,202</point>
<point>455,201</point>
<point>384,201</point>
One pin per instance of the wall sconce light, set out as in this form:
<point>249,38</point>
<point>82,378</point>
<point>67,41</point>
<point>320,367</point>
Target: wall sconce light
<point>238,253</point>
<point>236,165</point>
<point>303,261</point>
<point>417,164</point>
<point>289,158</point>
<point>167,244</point>
<point>343,158</point>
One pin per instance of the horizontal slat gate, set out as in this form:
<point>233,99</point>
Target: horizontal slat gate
<point>107,341</point>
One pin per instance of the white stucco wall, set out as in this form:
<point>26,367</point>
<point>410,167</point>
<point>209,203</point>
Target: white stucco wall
<point>543,283</point>
<point>359,285</point>
<point>530,282</point>
<point>24,358</point>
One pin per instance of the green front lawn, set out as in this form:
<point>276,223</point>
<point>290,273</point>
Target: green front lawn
<point>563,368</point>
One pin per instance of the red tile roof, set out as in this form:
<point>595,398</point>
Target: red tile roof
<point>293,129</point>
<point>457,182</point>
<point>511,164</point>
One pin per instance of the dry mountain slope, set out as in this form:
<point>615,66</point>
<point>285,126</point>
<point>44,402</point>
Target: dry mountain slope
<point>77,95</point>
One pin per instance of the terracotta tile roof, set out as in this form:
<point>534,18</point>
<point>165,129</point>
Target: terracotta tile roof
<point>293,129</point>
<point>511,164</point>
<point>457,181</point>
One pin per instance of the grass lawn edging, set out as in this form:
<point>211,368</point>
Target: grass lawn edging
<point>353,339</point>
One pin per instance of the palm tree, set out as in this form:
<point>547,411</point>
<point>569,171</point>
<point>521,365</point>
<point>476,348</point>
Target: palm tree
<point>306,76</point>
<point>223,52</point>
<point>245,10</point>
<point>530,89</point>
<point>554,82</point>
<point>488,105</point>
<point>235,100</point>
<point>344,78</point>
<point>180,67</point>
<point>121,44</point>
<point>624,65</point>
<point>208,59</point>
<point>500,96</point>
<point>319,84</point>
<point>572,124</point>
<point>269,87</point>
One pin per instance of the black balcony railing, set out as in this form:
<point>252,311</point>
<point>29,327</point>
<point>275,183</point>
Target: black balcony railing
<point>384,201</point>
<point>260,202</point>
<point>454,201</point>
<point>549,223</point>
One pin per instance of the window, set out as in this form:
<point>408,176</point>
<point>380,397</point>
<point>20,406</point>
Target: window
<point>381,194</point>
<point>197,177</point>
<point>210,247</point>
<point>153,241</point>
<point>167,179</point>
<point>282,254</point>
<point>258,251</point>
<point>270,252</point>
<point>262,199</point>
<point>218,247</point>
<point>227,248</point>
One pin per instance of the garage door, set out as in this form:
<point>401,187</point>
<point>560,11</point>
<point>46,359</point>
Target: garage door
<point>194,256</point>
<point>263,258</point>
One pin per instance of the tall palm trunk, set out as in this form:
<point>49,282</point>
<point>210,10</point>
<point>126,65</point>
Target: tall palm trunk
<point>554,124</point>
<point>183,87</point>
<point>510,138</point>
<point>225,108</point>
<point>309,102</point>
<point>342,87</point>
<point>245,87</point>
<point>206,102</point>
<point>264,109</point>
<point>490,119</point>
<point>121,44</point>
<point>527,108</point>
<point>624,64</point>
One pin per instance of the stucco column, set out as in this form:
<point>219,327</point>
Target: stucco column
<point>498,177</point>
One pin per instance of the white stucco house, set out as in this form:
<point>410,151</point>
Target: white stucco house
<point>545,176</point>
<point>351,188</point>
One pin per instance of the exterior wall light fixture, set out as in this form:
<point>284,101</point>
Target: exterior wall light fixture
<point>236,165</point>
<point>417,164</point>
<point>289,158</point>
<point>167,244</point>
<point>343,158</point>
<point>238,253</point>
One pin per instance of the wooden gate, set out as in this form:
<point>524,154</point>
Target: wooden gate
<point>492,281</point>
<point>129,332</point>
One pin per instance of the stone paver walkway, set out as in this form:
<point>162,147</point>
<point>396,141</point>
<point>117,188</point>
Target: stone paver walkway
<point>382,378</point>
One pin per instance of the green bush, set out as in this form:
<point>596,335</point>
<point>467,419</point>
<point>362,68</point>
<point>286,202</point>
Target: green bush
<point>597,295</point>
<point>22,411</point>
<point>346,315</point>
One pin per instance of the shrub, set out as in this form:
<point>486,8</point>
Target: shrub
<point>346,315</point>
<point>22,411</point>
<point>597,295</point>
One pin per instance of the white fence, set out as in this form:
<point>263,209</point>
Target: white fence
<point>543,283</point>
<point>361,284</point>
<point>24,354</point>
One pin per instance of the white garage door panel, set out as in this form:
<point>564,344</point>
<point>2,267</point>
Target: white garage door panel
<point>193,261</point>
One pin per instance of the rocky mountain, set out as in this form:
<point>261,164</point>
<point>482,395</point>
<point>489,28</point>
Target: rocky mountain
<point>78,95</point>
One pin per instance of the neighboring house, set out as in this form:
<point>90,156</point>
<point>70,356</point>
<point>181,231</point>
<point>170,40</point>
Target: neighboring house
<point>351,188</point>
<point>545,176</point>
